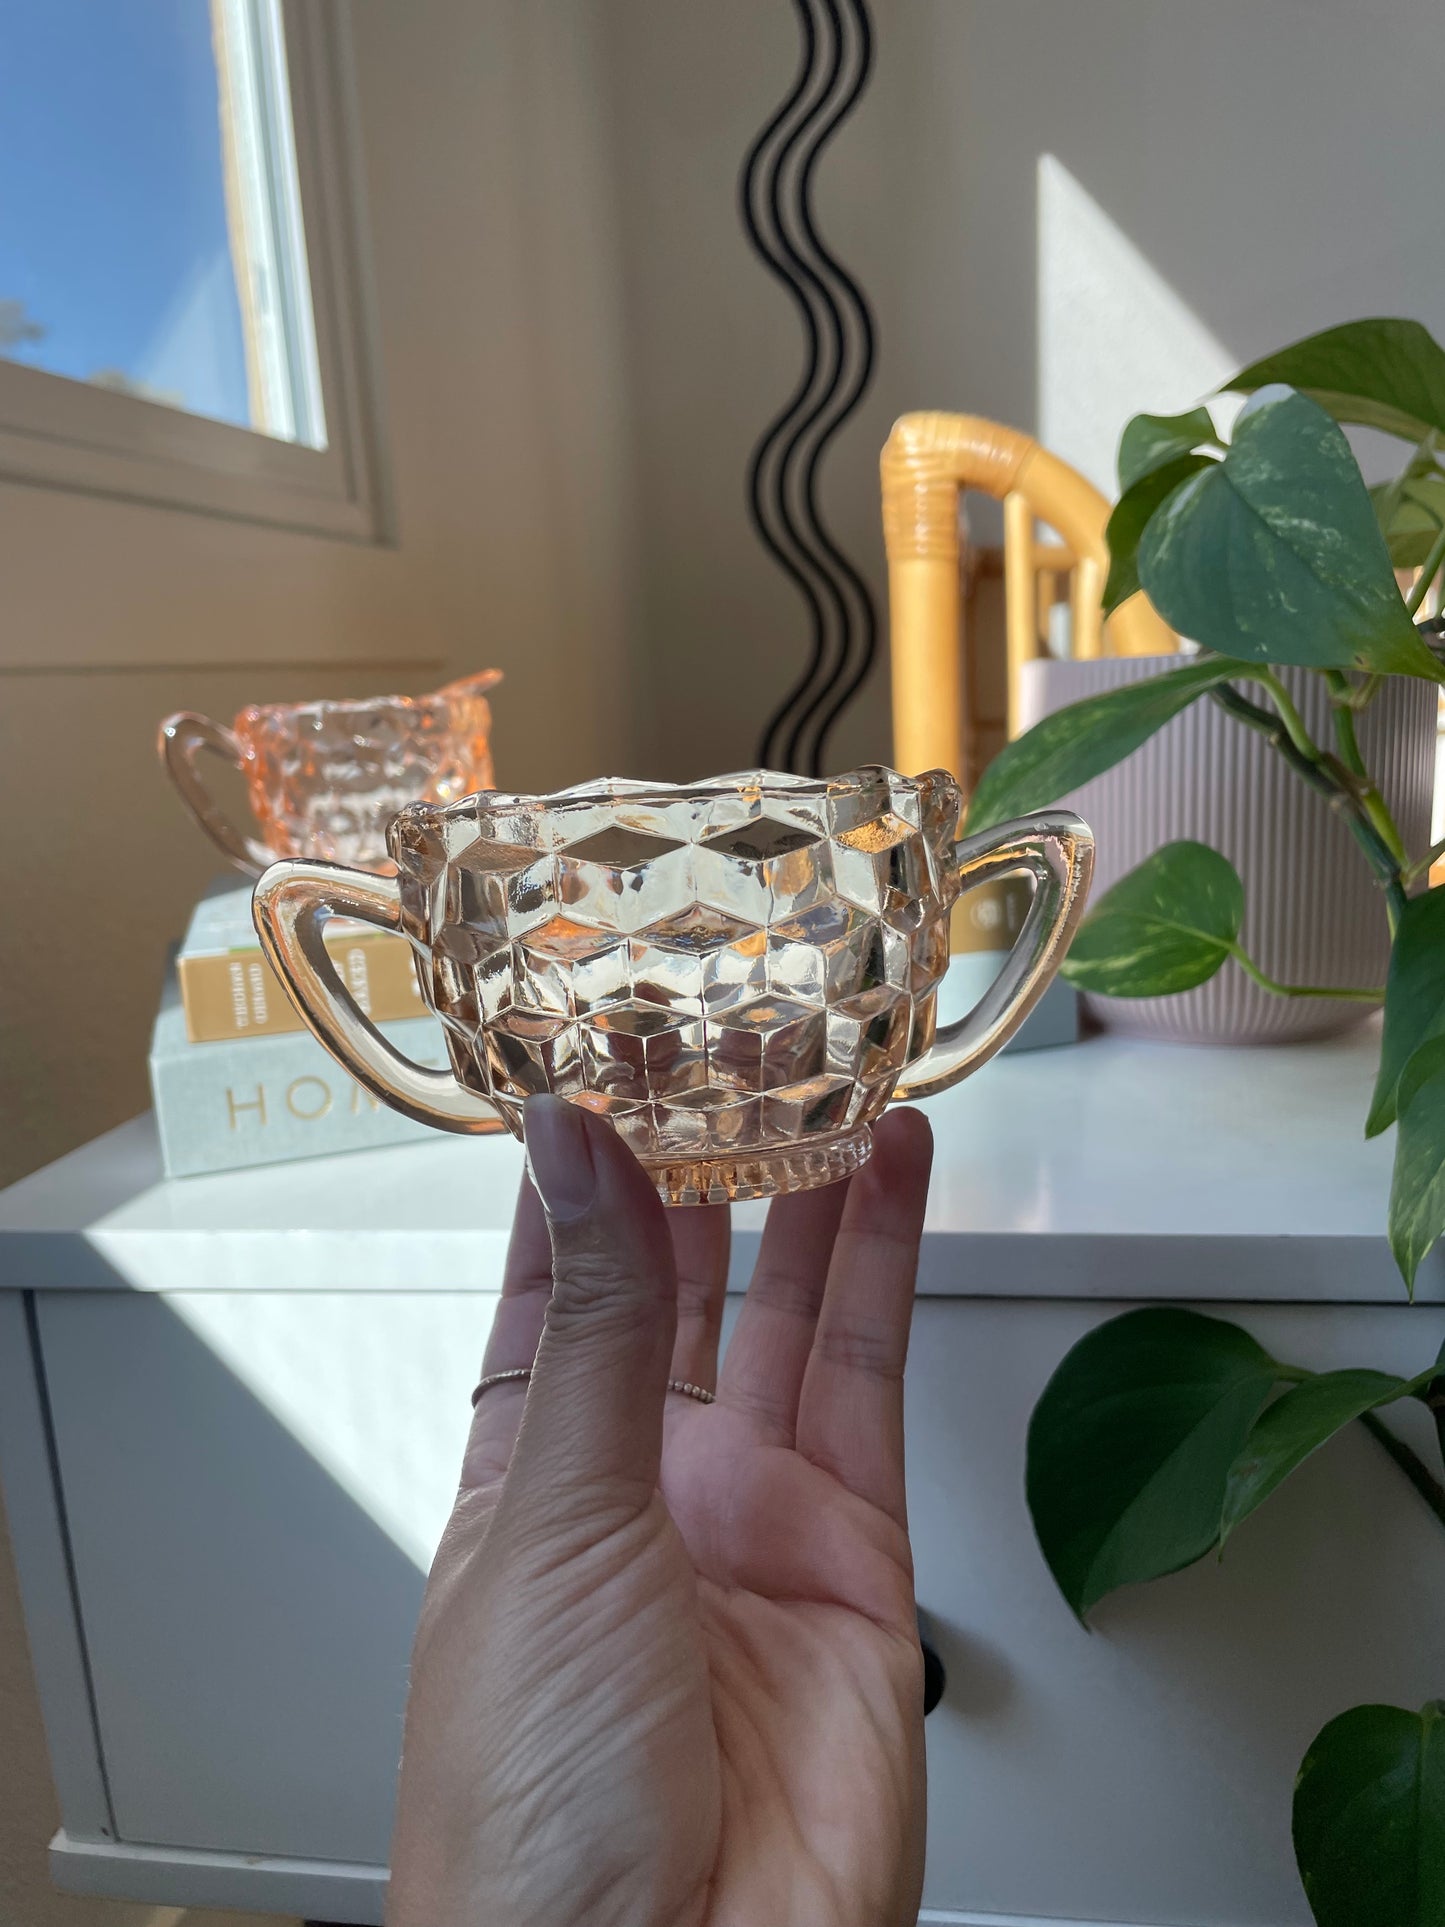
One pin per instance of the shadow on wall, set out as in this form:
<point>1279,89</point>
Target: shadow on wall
<point>1111,331</point>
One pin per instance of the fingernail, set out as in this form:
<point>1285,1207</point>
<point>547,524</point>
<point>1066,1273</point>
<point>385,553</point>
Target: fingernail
<point>559,1157</point>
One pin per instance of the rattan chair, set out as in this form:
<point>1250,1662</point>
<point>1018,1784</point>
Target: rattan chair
<point>927,463</point>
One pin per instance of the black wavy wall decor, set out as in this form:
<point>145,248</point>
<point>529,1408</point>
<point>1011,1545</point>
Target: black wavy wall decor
<point>776,194</point>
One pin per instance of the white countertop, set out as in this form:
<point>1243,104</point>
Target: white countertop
<point>1106,1169</point>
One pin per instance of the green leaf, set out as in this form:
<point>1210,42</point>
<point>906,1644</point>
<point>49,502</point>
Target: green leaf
<point>1411,514</point>
<point>1426,492</point>
<point>1295,1426</point>
<point>1151,442</point>
<point>1414,999</point>
<point>1131,1445</point>
<point>1166,926</point>
<point>1383,373</point>
<point>1417,1185</point>
<point>1408,526</point>
<point>1127,523</point>
<point>1083,740</point>
<point>1369,1819</point>
<point>1274,554</point>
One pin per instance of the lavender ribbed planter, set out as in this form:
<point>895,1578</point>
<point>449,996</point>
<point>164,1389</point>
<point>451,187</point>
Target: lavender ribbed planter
<point>1312,911</point>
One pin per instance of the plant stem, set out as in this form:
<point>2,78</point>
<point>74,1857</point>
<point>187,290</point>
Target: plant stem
<point>1413,1467</point>
<point>1352,697</point>
<point>1427,574</point>
<point>1369,994</point>
<point>1376,809</point>
<point>1430,1392</point>
<point>1422,865</point>
<point>1311,766</point>
<point>1342,696</point>
<point>1342,710</point>
<point>1288,714</point>
<point>1435,1399</point>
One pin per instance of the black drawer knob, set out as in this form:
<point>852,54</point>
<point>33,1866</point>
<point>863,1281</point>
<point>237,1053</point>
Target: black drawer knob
<point>935,1679</point>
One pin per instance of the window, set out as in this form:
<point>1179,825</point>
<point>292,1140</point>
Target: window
<point>180,301</point>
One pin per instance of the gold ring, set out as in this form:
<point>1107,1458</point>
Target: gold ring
<point>521,1373</point>
<point>688,1390</point>
<point>499,1378</point>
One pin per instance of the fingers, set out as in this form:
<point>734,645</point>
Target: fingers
<point>850,1415</point>
<point>620,1299</point>
<point>526,1288</point>
<point>701,1242</point>
<point>762,1374</point>
<point>592,1429</point>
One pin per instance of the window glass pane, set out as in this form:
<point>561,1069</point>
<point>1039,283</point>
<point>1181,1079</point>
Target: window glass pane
<point>150,229</point>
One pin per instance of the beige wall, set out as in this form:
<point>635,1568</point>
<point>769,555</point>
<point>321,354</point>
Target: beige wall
<point>713,349</point>
<point>495,281</point>
<point>495,273</point>
<point>1225,178</point>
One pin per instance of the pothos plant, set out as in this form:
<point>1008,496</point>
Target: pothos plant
<point>1162,1430</point>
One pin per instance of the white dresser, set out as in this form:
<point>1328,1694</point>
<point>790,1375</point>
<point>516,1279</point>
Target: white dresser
<point>232,1410</point>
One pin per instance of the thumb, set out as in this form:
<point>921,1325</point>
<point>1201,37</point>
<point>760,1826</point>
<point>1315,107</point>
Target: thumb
<point>593,1424</point>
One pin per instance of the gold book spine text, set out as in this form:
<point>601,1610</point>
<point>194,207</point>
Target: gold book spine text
<point>233,993</point>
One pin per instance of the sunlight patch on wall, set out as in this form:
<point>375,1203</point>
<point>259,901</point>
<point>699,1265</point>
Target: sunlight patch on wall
<point>378,1396</point>
<point>1115,339</point>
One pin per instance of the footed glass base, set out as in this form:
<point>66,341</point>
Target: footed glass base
<point>762,1174</point>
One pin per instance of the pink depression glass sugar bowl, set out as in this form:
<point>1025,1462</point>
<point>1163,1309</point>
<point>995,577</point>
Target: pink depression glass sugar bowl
<point>324,779</point>
<point>738,973</point>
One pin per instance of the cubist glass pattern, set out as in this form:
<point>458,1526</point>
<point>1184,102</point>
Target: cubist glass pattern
<point>737,969</point>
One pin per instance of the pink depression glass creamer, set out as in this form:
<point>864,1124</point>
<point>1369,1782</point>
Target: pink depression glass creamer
<point>324,779</point>
<point>738,973</point>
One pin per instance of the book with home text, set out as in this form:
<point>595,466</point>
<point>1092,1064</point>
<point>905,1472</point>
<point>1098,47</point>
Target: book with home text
<point>265,1099</point>
<point>228,991</point>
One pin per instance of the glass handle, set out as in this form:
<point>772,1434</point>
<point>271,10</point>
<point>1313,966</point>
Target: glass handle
<point>181,737</point>
<point>1056,848</point>
<point>289,905</point>
<point>476,684</point>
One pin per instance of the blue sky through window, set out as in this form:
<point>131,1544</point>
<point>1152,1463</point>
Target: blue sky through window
<point>113,235</point>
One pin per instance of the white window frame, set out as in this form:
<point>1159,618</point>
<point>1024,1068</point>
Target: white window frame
<point>59,433</point>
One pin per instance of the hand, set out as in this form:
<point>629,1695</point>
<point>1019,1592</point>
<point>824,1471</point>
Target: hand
<point>668,1672</point>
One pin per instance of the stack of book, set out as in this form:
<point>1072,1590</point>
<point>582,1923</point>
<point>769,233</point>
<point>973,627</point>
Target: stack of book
<point>235,1077</point>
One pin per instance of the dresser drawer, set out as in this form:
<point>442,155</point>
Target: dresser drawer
<point>254,1484</point>
<point>1143,1771</point>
